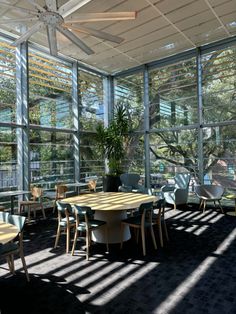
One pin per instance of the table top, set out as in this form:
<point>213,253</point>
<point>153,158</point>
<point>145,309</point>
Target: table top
<point>13,193</point>
<point>110,200</point>
<point>7,232</point>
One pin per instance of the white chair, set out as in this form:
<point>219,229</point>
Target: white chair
<point>177,193</point>
<point>209,193</point>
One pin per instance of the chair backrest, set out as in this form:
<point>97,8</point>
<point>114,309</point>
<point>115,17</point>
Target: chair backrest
<point>17,221</point>
<point>83,213</point>
<point>92,185</point>
<point>130,179</point>
<point>182,180</point>
<point>146,210</point>
<point>64,208</point>
<point>209,191</point>
<point>61,190</point>
<point>36,192</point>
<point>4,216</point>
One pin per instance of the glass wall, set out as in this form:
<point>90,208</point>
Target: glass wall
<point>191,106</point>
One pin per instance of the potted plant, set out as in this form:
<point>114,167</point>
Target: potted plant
<point>111,143</point>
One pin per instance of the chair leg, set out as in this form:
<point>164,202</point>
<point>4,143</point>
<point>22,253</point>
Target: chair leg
<point>204,206</point>
<point>74,243</point>
<point>166,231</point>
<point>143,241</point>
<point>200,205</point>
<point>160,233</point>
<point>153,239</point>
<point>67,239</point>
<point>221,207</point>
<point>87,244</point>
<point>54,207</point>
<point>24,265</point>
<point>57,236</point>
<point>43,212</point>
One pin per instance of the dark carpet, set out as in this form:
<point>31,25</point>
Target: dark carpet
<point>194,273</point>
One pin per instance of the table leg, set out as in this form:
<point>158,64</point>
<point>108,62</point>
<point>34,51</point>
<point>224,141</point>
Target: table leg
<point>234,212</point>
<point>113,219</point>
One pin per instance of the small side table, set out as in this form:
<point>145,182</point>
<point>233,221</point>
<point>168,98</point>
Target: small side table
<point>232,197</point>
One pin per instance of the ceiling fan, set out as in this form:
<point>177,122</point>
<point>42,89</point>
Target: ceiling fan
<point>57,19</point>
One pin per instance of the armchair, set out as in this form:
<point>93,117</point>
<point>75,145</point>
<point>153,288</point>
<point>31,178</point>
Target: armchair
<point>129,183</point>
<point>177,194</point>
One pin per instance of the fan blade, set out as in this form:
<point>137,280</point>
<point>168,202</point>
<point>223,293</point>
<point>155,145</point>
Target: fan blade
<point>14,7</point>
<point>75,40</point>
<point>51,5</point>
<point>27,35</point>
<point>71,6</point>
<point>25,19</point>
<point>95,33</point>
<point>107,16</point>
<point>52,40</point>
<point>36,5</point>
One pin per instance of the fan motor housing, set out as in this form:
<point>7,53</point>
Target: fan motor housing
<point>51,18</point>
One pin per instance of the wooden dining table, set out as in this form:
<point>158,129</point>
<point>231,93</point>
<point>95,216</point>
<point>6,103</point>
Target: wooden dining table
<point>111,207</point>
<point>8,232</point>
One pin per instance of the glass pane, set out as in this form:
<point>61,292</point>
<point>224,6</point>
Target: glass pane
<point>219,81</point>
<point>173,95</point>
<point>171,153</point>
<point>50,90</point>
<point>8,158</point>
<point>7,83</point>
<point>219,146</point>
<point>51,158</point>
<point>91,108</point>
<point>129,92</point>
<point>91,161</point>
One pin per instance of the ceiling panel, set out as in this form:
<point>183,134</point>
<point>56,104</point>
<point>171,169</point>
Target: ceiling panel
<point>162,28</point>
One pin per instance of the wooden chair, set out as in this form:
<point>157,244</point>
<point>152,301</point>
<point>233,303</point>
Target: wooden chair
<point>142,221</point>
<point>35,201</point>
<point>10,249</point>
<point>60,194</point>
<point>92,185</point>
<point>159,219</point>
<point>85,222</point>
<point>66,221</point>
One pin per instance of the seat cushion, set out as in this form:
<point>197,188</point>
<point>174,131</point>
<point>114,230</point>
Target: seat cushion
<point>93,224</point>
<point>63,221</point>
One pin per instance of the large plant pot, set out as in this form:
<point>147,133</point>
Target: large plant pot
<point>111,183</point>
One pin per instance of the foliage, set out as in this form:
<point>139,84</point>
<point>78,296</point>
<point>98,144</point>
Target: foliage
<point>111,140</point>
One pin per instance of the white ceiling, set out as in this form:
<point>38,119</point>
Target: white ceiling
<point>162,28</point>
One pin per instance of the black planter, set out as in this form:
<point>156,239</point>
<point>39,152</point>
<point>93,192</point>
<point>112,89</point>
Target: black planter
<point>111,183</point>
